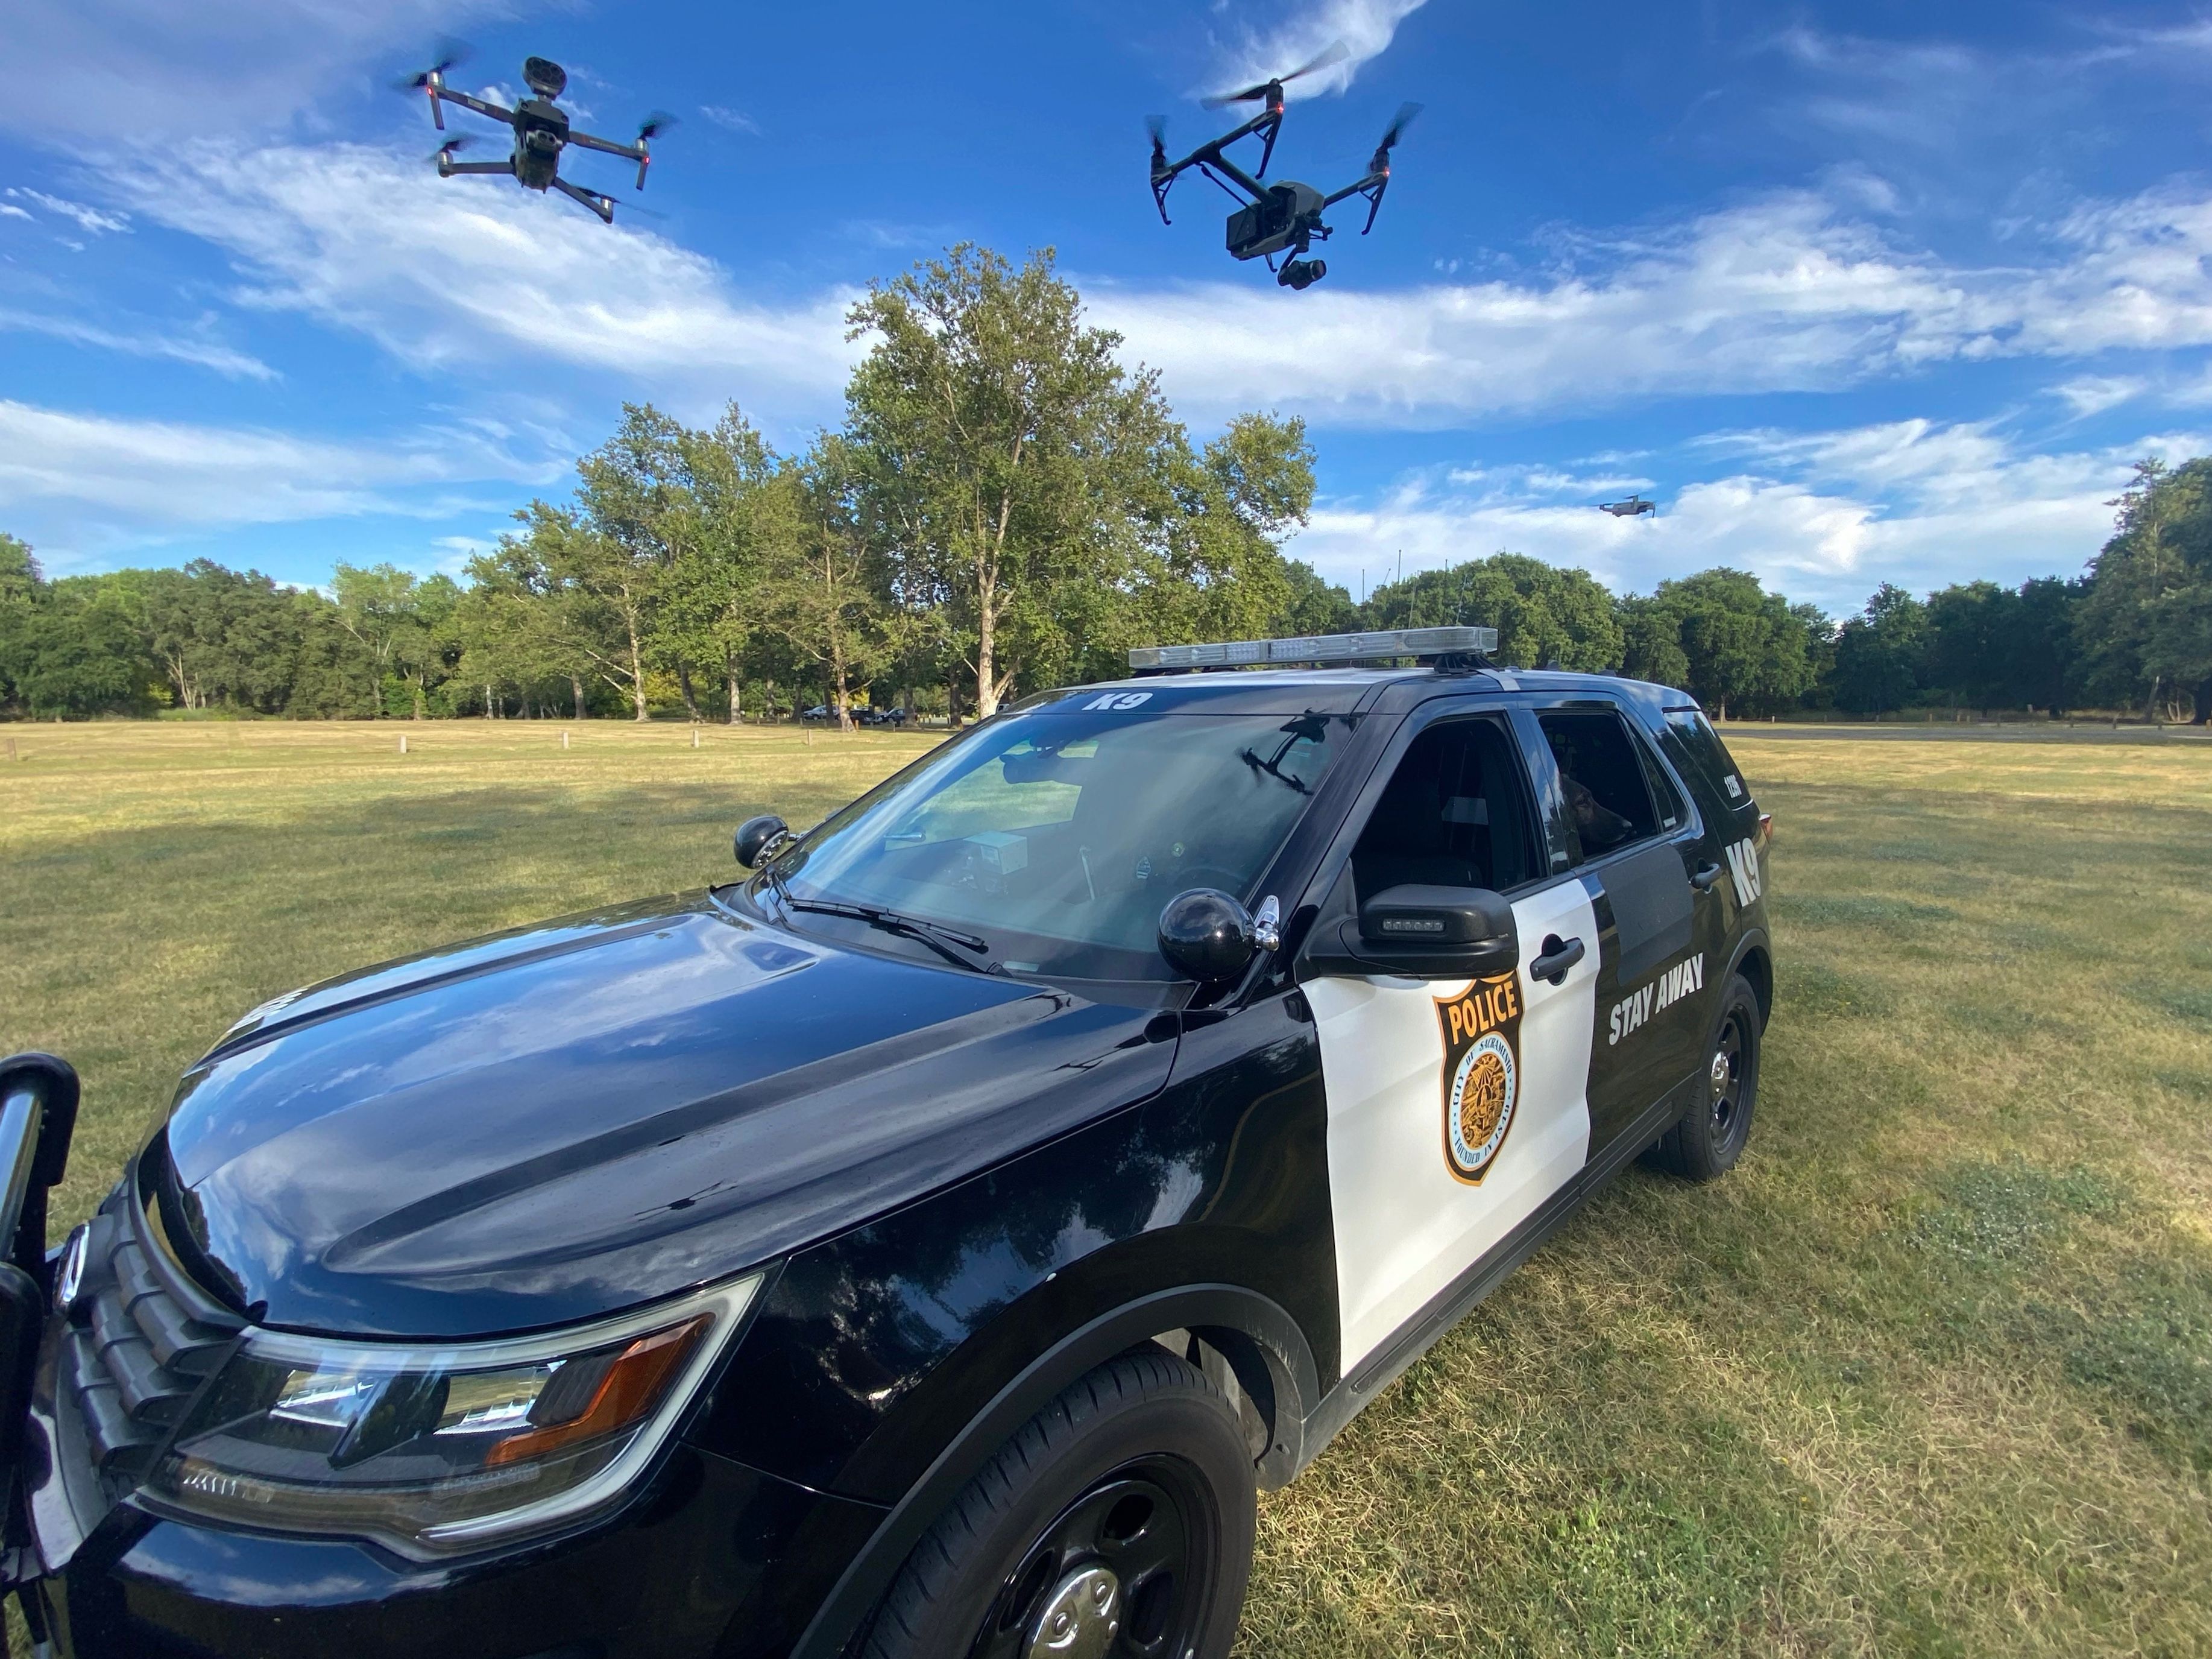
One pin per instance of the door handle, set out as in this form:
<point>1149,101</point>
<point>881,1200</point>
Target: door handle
<point>1556,959</point>
<point>1707,874</point>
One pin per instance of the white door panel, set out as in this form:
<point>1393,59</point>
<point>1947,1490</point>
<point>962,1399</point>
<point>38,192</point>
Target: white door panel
<point>1408,1220</point>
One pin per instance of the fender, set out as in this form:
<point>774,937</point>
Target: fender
<point>1227,1307</point>
<point>1750,944</point>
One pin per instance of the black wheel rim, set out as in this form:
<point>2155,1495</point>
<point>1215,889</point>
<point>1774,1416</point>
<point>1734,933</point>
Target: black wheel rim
<point>1150,1526</point>
<point>1732,1073</point>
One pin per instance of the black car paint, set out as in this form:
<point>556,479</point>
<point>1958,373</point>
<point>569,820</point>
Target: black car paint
<point>1054,1168</point>
<point>656,1101</point>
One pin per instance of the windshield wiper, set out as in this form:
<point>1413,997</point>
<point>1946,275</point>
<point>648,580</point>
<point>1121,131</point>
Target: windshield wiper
<point>938,937</point>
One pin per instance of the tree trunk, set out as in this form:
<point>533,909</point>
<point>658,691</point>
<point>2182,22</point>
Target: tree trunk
<point>419,705</point>
<point>840,691</point>
<point>2203,698</point>
<point>737,686</point>
<point>487,714</point>
<point>576,690</point>
<point>987,697</point>
<point>637,668</point>
<point>690,702</point>
<point>2150,702</point>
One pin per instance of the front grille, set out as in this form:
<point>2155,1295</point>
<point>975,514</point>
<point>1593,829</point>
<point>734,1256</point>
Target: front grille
<point>141,1341</point>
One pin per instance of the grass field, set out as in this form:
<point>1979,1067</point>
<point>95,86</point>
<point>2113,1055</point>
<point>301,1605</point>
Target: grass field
<point>1931,1372</point>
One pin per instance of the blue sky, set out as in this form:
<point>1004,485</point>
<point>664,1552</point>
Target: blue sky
<point>1858,293</point>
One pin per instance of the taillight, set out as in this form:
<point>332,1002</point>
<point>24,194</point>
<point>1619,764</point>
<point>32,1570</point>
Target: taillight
<point>1766,830</point>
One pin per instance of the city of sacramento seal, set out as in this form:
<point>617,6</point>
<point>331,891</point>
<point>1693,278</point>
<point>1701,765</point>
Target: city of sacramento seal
<point>1482,1073</point>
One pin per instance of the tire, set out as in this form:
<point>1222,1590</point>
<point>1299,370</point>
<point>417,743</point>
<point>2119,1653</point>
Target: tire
<point>1705,1145</point>
<point>1128,1500</point>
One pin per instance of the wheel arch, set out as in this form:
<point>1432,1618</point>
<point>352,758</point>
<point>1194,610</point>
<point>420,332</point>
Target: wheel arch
<point>1260,1343</point>
<point>1754,960</point>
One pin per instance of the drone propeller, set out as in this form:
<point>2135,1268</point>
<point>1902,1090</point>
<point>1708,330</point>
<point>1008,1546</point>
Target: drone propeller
<point>1391,134</point>
<point>451,53</point>
<point>1162,175</point>
<point>446,149</point>
<point>649,129</point>
<point>1334,54</point>
<point>1378,164</point>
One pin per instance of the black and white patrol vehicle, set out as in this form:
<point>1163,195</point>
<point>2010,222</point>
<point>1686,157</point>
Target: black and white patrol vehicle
<point>924,1246</point>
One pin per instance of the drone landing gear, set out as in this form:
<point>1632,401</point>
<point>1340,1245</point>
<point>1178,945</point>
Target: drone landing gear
<point>602,205</point>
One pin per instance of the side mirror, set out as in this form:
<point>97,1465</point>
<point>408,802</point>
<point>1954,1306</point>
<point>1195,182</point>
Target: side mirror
<point>1206,935</point>
<point>1426,932</point>
<point>757,838</point>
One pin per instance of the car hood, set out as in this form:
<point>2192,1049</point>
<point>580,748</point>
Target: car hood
<point>576,1118</point>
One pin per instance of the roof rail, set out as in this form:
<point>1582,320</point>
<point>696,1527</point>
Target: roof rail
<point>1451,645</point>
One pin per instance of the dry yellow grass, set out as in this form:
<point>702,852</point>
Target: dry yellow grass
<point>1931,1372</point>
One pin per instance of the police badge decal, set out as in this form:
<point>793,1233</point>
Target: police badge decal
<point>1481,1074</point>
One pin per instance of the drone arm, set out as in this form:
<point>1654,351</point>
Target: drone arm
<point>482,107</point>
<point>602,205</point>
<point>448,168</point>
<point>1372,187</point>
<point>1217,162</point>
<point>606,146</point>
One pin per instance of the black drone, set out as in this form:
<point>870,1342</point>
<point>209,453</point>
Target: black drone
<point>1630,507</point>
<point>541,132</point>
<point>1285,216</point>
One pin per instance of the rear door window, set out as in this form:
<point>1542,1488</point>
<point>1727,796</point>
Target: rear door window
<point>1702,747</point>
<point>1665,797</point>
<point>1609,797</point>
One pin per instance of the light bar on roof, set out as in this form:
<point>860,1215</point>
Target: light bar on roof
<point>1320,648</point>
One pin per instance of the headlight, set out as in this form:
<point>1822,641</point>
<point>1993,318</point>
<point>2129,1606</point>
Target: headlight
<point>436,1450</point>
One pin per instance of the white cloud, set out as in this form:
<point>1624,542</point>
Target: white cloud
<point>82,483</point>
<point>88,219</point>
<point>163,69</point>
<point>1783,294</point>
<point>1365,27</point>
<point>733,120</point>
<point>1823,516</point>
<point>475,272</point>
<point>2093,394</point>
<point>8,210</point>
<point>202,352</point>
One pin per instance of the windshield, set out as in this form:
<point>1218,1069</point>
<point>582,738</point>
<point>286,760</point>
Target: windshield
<point>1058,837</point>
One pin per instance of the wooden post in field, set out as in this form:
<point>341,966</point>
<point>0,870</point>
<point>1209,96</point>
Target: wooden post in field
<point>564,737</point>
<point>695,736</point>
<point>403,742</point>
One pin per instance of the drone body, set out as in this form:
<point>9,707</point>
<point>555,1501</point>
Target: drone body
<point>541,132</point>
<point>1631,507</point>
<point>1284,216</point>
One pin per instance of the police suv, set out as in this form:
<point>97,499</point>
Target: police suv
<point>924,1246</point>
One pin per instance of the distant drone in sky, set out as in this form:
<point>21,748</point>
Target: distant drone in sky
<point>1630,507</point>
<point>541,131</point>
<point>1284,217</point>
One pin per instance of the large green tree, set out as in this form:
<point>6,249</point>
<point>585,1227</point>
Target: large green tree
<point>2140,624</point>
<point>1542,613</point>
<point>1010,456</point>
<point>1724,638</point>
<point>1879,652</point>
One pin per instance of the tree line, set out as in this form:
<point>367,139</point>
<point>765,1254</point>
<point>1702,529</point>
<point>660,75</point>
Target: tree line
<point>1007,507</point>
